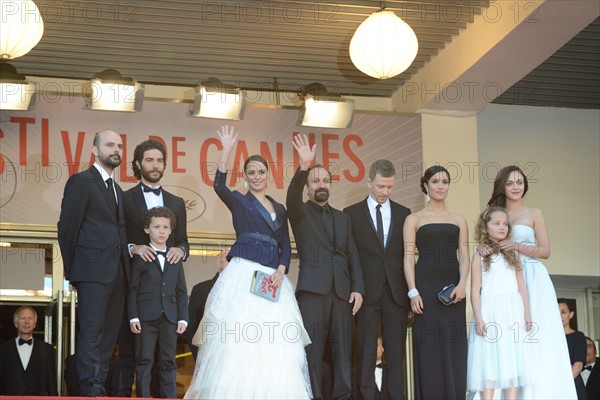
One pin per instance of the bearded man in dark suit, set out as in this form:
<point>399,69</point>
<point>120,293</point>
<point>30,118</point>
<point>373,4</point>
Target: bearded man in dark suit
<point>149,163</point>
<point>330,284</point>
<point>93,243</point>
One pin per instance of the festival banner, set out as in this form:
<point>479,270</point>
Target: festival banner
<point>40,149</point>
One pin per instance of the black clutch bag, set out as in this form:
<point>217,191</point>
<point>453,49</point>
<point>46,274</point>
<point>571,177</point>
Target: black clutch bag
<point>444,295</point>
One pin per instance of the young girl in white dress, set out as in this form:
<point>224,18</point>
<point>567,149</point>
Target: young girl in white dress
<point>501,319</point>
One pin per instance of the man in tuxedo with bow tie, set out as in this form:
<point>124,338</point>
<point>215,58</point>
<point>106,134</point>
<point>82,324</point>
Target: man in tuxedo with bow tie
<point>93,244</point>
<point>377,224</point>
<point>26,364</point>
<point>149,163</point>
<point>591,371</point>
<point>330,284</point>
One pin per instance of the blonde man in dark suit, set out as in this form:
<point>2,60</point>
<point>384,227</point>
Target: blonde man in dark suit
<point>377,224</point>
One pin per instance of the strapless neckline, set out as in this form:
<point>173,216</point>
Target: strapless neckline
<point>438,223</point>
<point>523,225</point>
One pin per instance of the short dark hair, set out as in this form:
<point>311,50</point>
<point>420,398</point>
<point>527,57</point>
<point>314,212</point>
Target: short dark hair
<point>319,166</point>
<point>431,171</point>
<point>98,135</point>
<point>158,212</point>
<point>138,154</point>
<point>383,168</point>
<point>593,344</point>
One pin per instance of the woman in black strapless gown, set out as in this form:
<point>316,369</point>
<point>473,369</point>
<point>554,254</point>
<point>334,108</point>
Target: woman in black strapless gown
<point>439,334</point>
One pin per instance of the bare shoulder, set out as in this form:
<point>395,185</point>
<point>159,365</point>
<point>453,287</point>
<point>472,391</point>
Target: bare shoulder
<point>413,219</point>
<point>459,220</point>
<point>535,213</point>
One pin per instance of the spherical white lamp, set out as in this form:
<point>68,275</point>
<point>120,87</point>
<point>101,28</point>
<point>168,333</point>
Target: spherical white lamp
<point>21,28</point>
<point>383,46</point>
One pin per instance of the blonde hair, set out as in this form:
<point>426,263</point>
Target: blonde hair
<point>482,236</point>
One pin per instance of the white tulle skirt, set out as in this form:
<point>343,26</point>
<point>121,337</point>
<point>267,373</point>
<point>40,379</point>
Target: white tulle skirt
<point>498,360</point>
<point>249,347</point>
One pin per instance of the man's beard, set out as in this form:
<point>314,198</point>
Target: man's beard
<point>149,178</point>
<point>322,195</point>
<point>108,161</point>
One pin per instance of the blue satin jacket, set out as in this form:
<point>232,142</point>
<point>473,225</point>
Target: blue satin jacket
<point>259,238</point>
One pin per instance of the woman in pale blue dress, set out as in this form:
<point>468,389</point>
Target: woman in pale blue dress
<point>545,345</point>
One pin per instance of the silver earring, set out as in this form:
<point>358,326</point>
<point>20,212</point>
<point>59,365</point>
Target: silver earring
<point>246,184</point>
<point>427,198</point>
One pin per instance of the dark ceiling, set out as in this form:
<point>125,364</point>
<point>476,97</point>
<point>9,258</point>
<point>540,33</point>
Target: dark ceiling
<point>282,45</point>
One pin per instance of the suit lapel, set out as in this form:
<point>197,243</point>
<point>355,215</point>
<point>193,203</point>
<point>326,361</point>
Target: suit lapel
<point>167,199</point>
<point>278,214</point>
<point>16,355</point>
<point>393,215</point>
<point>140,201</point>
<point>102,186</point>
<point>367,215</point>
<point>35,354</point>
<point>261,210</point>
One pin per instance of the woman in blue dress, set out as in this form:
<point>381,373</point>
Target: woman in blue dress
<point>545,344</point>
<point>250,347</point>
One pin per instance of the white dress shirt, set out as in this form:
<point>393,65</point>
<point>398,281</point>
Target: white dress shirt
<point>585,374</point>
<point>105,176</point>
<point>153,200</point>
<point>24,352</point>
<point>386,214</point>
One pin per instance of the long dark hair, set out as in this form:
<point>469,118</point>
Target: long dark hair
<point>498,198</point>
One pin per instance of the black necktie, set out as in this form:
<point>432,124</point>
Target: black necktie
<point>148,189</point>
<point>379,218</point>
<point>327,222</point>
<point>28,341</point>
<point>111,195</point>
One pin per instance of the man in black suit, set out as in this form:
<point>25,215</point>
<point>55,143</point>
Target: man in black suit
<point>149,162</point>
<point>591,371</point>
<point>157,305</point>
<point>377,227</point>
<point>330,285</point>
<point>198,299</point>
<point>93,243</point>
<point>27,365</point>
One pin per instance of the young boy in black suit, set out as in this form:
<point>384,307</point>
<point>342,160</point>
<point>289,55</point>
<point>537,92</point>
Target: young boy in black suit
<point>157,306</point>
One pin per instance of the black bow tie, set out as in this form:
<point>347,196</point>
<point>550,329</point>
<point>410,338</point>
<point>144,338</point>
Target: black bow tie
<point>588,367</point>
<point>147,189</point>
<point>28,341</point>
<point>161,253</point>
<point>380,365</point>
